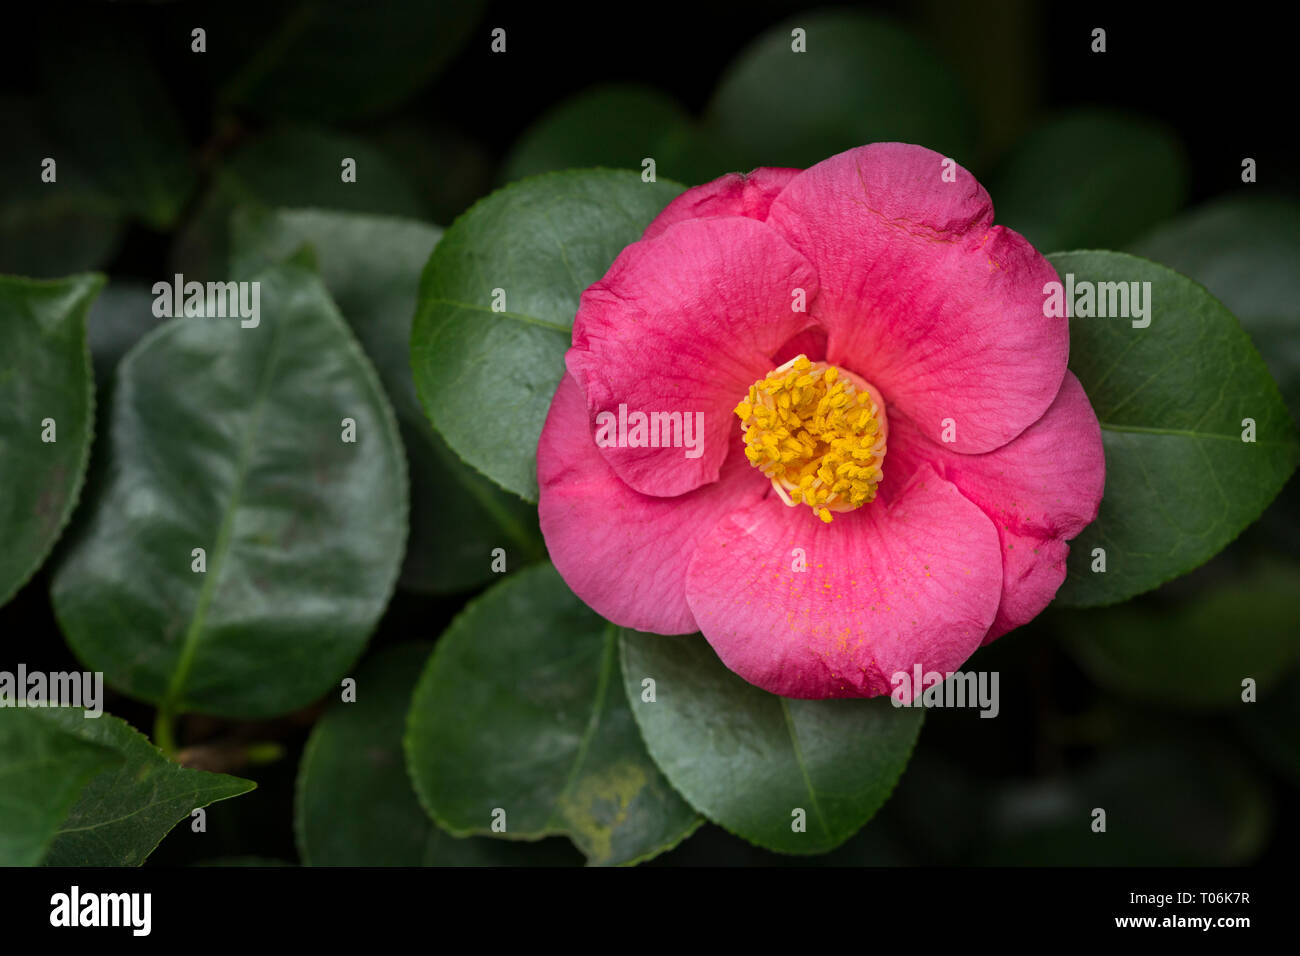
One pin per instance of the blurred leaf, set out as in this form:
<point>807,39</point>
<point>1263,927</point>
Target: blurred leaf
<point>747,759</point>
<point>519,709</point>
<point>371,266</point>
<point>355,805</point>
<point>124,812</point>
<point>862,80</point>
<point>44,374</point>
<point>111,106</point>
<point>1194,651</point>
<point>120,317</point>
<point>615,125</point>
<point>1090,179</point>
<point>1166,805</point>
<point>48,229</point>
<point>448,170</point>
<point>459,519</point>
<point>229,439</point>
<point>1171,399</point>
<point>337,59</point>
<point>291,166</point>
<point>1272,727</point>
<point>43,770</point>
<point>1244,249</point>
<point>486,377</point>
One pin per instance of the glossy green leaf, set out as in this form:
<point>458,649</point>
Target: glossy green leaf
<point>111,106</point>
<point>1194,650</point>
<point>46,391</point>
<point>355,804</point>
<point>520,711</point>
<point>49,229</point>
<point>337,59</point>
<point>371,266</point>
<point>1172,398</point>
<point>861,80</point>
<point>486,377</point>
<point>124,812</point>
<point>749,760</point>
<point>43,770</point>
<point>1244,249</point>
<point>230,439</point>
<point>290,166</point>
<point>615,126</point>
<point>1090,179</point>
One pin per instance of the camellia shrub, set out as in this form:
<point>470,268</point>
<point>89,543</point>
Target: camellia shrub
<point>622,509</point>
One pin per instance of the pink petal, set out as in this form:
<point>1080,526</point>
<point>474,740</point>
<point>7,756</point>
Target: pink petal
<point>1039,490</point>
<point>922,296</point>
<point>684,324</point>
<point>911,581</point>
<point>625,554</point>
<point>735,194</point>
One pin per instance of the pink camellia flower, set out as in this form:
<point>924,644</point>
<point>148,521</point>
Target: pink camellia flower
<point>821,417</point>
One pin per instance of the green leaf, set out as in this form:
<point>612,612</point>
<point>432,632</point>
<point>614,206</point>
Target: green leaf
<point>1194,651</point>
<point>1171,398</point>
<point>1244,249</point>
<point>862,80</point>
<point>230,439</point>
<point>290,166</point>
<point>371,266</point>
<point>44,375</point>
<point>1090,179</point>
<point>49,229</point>
<point>486,377</point>
<point>43,769</point>
<point>110,105</point>
<point>124,812</point>
<point>519,710</point>
<point>614,125</point>
<point>748,760</point>
<point>337,59</point>
<point>355,805</point>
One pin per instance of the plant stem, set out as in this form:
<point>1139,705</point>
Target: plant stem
<point>163,735</point>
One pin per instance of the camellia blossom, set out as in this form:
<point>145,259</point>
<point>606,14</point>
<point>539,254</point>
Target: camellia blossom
<point>891,453</point>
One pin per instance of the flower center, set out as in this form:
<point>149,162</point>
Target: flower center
<point>818,432</point>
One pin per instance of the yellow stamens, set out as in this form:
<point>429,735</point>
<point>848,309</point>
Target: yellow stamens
<point>818,432</point>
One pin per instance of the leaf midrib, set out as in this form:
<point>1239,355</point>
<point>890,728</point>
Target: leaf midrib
<point>193,633</point>
<point>516,316</point>
<point>1182,433</point>
<point>803,769</point>
<point>593,724</point>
